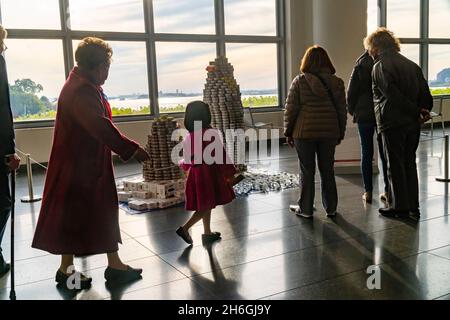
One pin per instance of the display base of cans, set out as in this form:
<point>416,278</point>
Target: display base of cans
<point>146,196</point>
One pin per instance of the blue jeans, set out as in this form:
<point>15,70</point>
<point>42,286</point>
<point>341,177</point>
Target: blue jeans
<point>366,132</point>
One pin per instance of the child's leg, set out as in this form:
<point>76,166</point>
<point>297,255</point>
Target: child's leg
<point>196,217</point>
<point>207,222</point>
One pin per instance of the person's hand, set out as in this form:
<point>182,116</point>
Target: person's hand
<point>13,162</point>
<point>141,155</point>
<point>290,142</point>
<point>424,115</point>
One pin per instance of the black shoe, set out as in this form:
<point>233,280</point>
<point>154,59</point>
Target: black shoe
<point>4,267</point>
<point>115,276</point>
<point>62,280</point>
<point>210,238</point>
<point>184,235</point>
<point>332,214</point>
<point>295,208</point>
<point>415,215</point>
<point>392,213</point>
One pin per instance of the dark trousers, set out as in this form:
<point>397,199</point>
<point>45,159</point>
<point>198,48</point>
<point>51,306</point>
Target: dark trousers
<point>400,146</point>
<point>5,201</point>
<point>307,151</point>
<point>366,132</point>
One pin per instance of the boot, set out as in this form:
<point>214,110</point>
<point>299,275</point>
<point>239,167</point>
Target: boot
<point>4,267</point>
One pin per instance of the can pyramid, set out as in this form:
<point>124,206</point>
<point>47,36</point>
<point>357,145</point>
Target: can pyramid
<point>160,166</point>
<point>222,94</point>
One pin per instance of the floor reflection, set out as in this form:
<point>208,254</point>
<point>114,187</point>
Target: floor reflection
<point>266,251</point>
<point>231,287</point>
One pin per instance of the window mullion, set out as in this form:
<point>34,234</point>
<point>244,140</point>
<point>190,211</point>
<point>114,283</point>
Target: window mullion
<point>219,9</point>
<point>64,10</point>
<point>424,35</point>
<point>151,57</point>
<point>382,13</point>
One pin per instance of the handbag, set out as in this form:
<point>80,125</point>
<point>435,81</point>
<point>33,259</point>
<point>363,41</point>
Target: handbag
<point>333,100</point>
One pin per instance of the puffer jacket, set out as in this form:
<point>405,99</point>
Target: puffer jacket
<point>359,94</point>
<point>399,91</point>
<point>310,112</point>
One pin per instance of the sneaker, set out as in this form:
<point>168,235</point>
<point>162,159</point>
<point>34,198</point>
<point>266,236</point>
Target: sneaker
<point>210,238</point>
<point>184,235</point>
<point>393,213</point>
<point>67,281</point>
<point>115,276</point>
<point>296,208</point>
<point>367,197</point>
<point>384,197</point>
<point>332,214</point>
<point>304,215</point>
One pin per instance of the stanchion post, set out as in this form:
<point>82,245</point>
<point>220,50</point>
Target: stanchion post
<point>446,177</point>
<point>31,197</point>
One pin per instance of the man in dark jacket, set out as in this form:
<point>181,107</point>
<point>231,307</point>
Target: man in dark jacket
<point>360,106</point>
<point>8,159</point>
<point>402,98</point>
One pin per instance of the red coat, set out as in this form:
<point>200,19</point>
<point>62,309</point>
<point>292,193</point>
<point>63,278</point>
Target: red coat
<point>206,185</point>
<point>79,213</point>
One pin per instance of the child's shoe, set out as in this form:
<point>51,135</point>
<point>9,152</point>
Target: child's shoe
<point>210,238</point>
<point>184,235</point>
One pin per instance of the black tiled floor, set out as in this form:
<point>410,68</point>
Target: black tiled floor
<point>266,252</point>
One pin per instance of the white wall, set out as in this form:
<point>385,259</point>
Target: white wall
<point>339,27</point>
<point>38,141</point>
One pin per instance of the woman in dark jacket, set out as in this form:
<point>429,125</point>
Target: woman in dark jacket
<point>8,157</point>
<point>360,106</point>
<point>315,122</point>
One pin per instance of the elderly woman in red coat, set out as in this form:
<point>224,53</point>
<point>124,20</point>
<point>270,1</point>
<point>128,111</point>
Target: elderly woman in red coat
<point>79,214</point>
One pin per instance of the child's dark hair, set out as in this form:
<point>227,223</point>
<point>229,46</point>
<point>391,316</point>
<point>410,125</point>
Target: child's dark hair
<point>197,111</point>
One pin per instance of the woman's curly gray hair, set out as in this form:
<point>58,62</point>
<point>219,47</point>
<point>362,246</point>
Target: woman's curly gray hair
<point>382,39</point>
<point>3,33</point>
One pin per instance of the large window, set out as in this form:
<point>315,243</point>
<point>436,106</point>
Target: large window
<point>411,51</point>
<point>181,73</point>
<point>26,14</point>
<point>403,16</point>
<point>107,15</point>
<point>424,30</point>
<point>161,51</point>
<point>36,75</point>
<point>256,69</point>
<point>250,17</point>
<point>184,16</point>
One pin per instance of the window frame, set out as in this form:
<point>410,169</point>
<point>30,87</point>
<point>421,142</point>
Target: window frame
<point>424,41</point>
<point>66,35</point>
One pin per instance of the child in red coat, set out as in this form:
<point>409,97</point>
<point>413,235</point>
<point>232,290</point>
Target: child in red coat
<point>208,183</point>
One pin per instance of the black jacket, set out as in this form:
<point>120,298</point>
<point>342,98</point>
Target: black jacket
<point>399,90</point>
<point>7,145</point>
<point>359,94</point>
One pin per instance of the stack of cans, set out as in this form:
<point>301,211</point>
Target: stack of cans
<point>160,166</point>
<point>222,94</point>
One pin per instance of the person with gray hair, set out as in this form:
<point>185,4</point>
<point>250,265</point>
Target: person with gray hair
<point>402,101</point>
<point>9,161</point>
